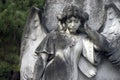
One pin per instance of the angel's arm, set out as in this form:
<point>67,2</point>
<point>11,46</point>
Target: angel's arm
<point>99,40</point>
<point>45,52</point>
<point>40,66</point>
<point>112,53</point>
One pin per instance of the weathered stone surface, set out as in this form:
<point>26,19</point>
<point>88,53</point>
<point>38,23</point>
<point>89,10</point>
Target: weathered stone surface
<point>107,20</point>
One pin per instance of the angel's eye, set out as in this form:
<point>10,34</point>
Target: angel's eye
<point>69,21</point>
<point>76,20</point>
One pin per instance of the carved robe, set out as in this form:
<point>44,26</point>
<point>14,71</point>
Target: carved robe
<point>66,58</point>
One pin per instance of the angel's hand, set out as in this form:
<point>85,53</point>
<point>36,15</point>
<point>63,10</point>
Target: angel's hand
<point>87,28</point>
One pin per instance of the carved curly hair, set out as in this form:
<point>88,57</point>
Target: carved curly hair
<point>73,10</point>
<point>70,11</point>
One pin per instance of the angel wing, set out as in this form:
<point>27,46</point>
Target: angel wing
<point>33,34</point>
<point>111,31</point>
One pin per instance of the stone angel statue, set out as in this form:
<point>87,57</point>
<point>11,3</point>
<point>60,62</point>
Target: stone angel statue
<point>72,50</point>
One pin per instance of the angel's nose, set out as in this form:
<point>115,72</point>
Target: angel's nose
<point>72,24</point>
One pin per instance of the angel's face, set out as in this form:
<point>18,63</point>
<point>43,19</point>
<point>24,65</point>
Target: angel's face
<point>73,24</point>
